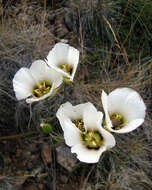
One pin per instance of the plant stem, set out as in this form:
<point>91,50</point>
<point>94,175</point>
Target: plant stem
<point>19,135</point>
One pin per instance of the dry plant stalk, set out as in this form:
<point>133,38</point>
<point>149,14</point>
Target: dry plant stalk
<point>80,31</point>
<point>121,47</point>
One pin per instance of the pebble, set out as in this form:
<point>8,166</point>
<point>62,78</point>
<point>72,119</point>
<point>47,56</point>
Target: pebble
<point>65,158</point>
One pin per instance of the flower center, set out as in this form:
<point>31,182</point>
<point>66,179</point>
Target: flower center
<point>92,139</point>
<point>66,68</point>
<point>118,121</point>
<point>41,88</point>
<point>79,124</point>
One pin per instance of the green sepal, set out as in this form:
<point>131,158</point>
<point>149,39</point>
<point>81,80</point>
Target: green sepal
<point>56,138</point>
<point>46,128</point>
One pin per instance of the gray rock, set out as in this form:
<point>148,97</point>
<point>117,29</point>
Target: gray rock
<point>65,158</point>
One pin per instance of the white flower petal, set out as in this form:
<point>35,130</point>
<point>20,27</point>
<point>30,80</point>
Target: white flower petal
<point>71,133</point>
<point>21,93</point>
<point>34,99</point>
<point>25,80</point>
<point>91,155</point>
<point>117,97</point>
<point>130,126</point>
<point>104,99</point>
<point>58,54</point>
<point>38,70</point>
<point>109,140</point>
<point>126,102</point>
<point>70,111</point>
<point>73,136</point>
<point>73,59</point>
<point>63,53</point>
<point>54,77</point>
<point>23,83</point>
<point>87,155</point>
<point>91,117</point>
<point>67,111</point>
<point>41,71</point>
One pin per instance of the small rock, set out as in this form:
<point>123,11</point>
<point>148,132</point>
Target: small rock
<point>65,158</point>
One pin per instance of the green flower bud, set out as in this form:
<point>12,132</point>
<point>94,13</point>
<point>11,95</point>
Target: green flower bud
<point>46,128</point>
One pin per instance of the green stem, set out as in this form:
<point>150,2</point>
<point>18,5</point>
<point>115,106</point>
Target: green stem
<point>38,175</point>
<point>19,135</point>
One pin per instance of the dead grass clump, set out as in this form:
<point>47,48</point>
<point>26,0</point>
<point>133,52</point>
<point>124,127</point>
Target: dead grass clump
<point>23,31</point>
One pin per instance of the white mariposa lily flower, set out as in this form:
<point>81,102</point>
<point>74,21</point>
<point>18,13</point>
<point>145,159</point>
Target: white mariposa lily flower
<point>36,83</point>
<point>124,110</point>
<point>64,59</point>
<point>83,132</point>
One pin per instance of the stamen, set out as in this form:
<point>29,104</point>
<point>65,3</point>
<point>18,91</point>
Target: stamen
<point>66,68</point>
<point>118,121</point>
<point>79,124</point>
<point>41,88</point>
<point>92,139</point>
